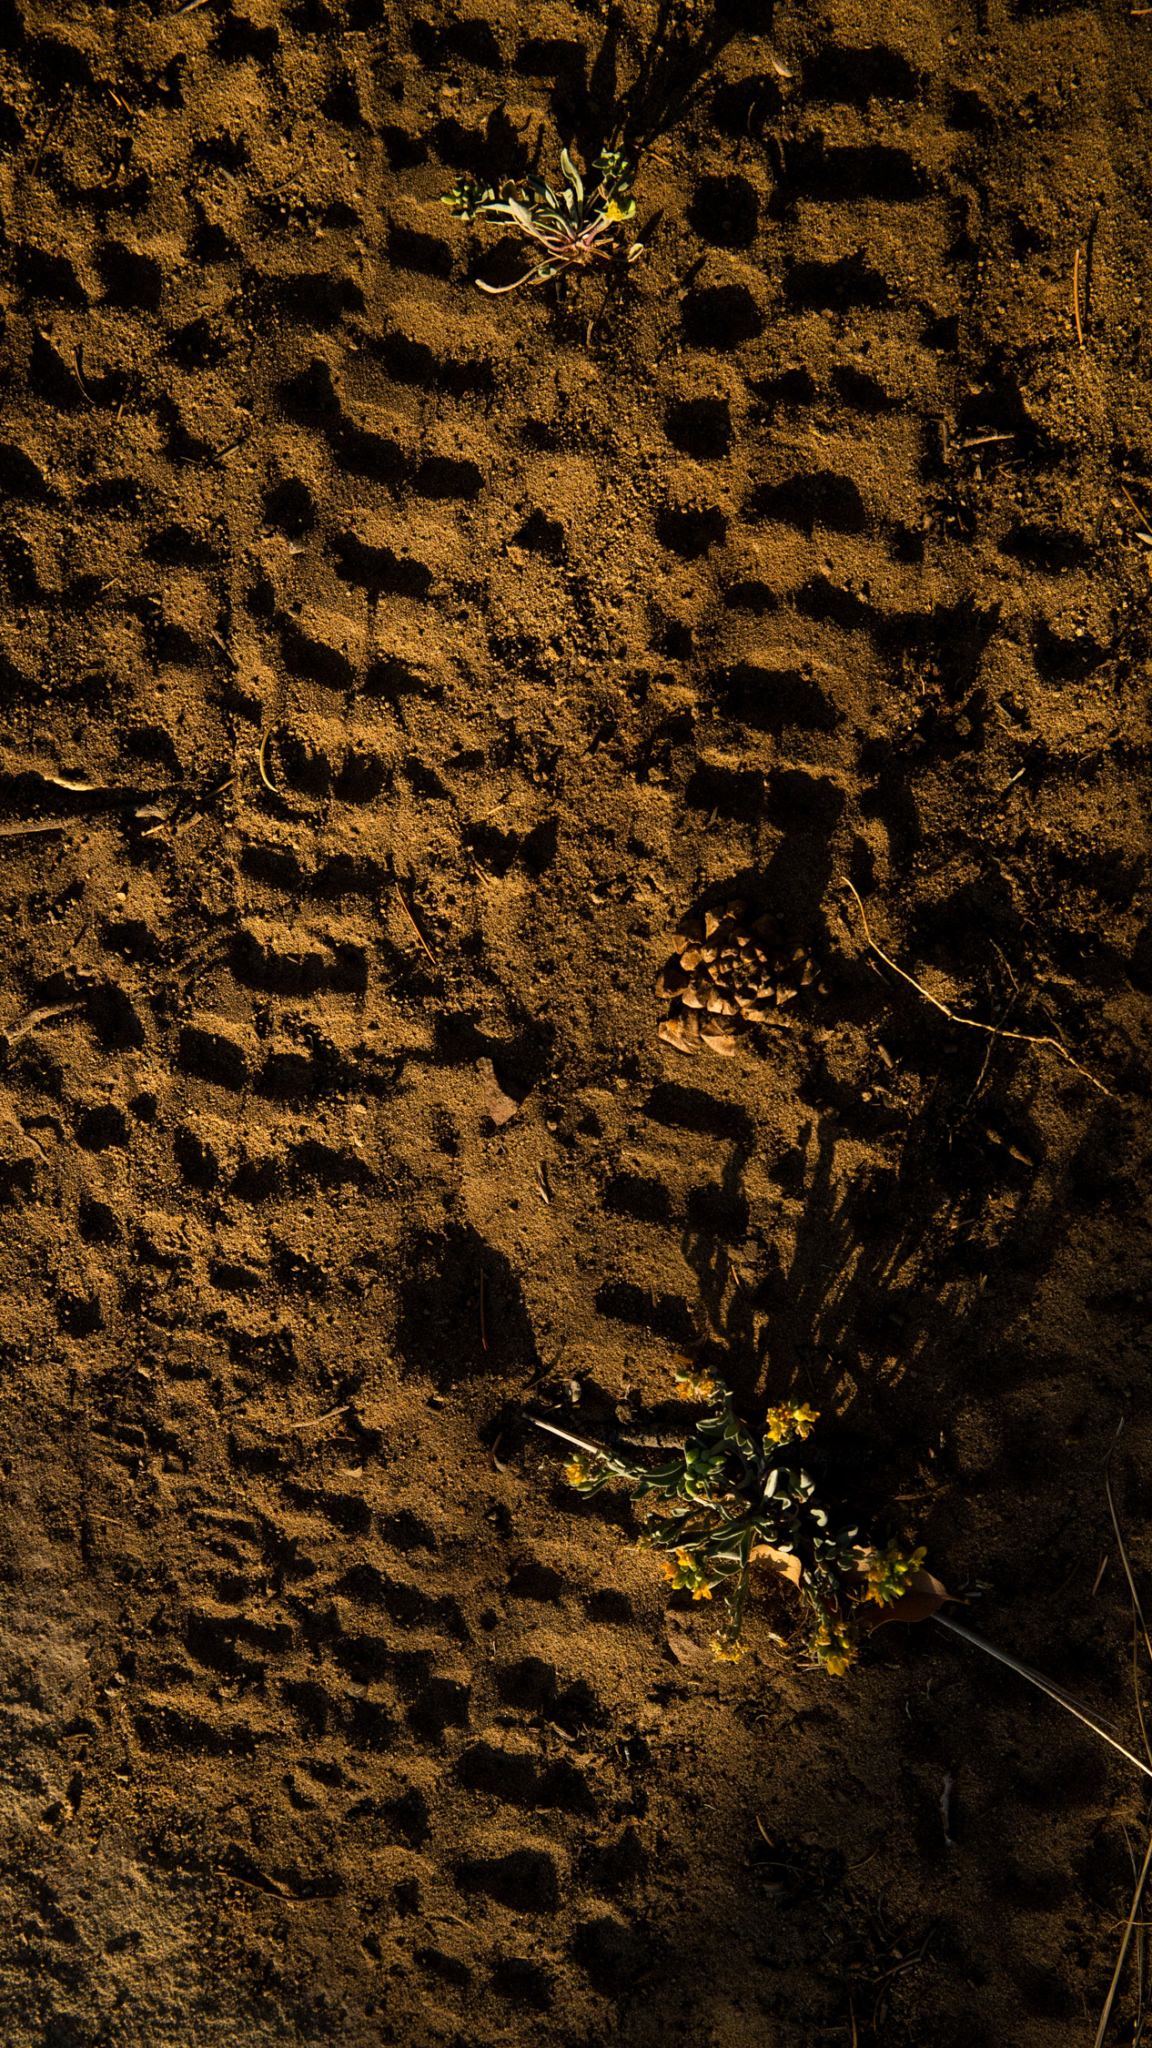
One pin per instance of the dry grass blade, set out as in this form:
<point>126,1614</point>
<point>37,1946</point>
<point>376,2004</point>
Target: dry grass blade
<point>1045,1685</point>
<point>1121,1959</point>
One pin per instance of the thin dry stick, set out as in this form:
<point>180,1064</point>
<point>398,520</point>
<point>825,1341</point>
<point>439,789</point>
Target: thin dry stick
<point>969,1023</point>
<point>1043,1685</point>
<point>581,1443</point>
<point>1076,297</point>
<point>984,441</point>
<point>566,1437</point>
<point>37,828</point>
<point>402,900</point>
<point>318,1421</point>
<point>261,761</point>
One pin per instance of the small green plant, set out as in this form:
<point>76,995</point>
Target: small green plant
<point>572,229</point>
<point>726,1500</point>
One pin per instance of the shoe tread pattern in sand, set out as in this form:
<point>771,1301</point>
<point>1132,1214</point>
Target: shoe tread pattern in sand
<point>331,1714</point>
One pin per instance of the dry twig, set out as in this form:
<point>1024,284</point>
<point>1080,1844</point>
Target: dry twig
<point>261,761</point>
<point>969,1023</point>
<point>403,902</point>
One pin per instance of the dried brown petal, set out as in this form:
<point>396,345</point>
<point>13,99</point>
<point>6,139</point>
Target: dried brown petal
<point>681,1032</point>
<point>720,1041</point>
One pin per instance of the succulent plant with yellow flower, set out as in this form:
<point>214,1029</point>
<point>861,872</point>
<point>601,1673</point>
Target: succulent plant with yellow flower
<point>569,227</point>
<point>727,1497</point>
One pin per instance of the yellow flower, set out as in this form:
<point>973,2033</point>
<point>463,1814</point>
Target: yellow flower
<point>833,1648</point>
<point>836,1664</point>
<point>790,1419</point>
<point>695,1386</point>
<point>727,1649</point>
<point>687,1575</point>
<point>578,1471</point>
<point>889,1573</point>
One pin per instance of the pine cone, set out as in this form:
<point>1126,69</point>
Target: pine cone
<point>727,976</point>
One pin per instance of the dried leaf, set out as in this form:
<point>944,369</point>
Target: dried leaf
<point>31,1019</point>
<point>784,1561</point>
<point>683,1647</point>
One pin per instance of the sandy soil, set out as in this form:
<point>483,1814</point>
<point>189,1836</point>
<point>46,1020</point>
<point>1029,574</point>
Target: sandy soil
<point>384,671</point>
